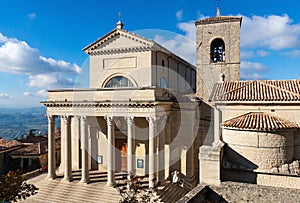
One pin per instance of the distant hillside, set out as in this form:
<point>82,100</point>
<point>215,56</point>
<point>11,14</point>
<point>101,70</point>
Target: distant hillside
<point>16,122</point>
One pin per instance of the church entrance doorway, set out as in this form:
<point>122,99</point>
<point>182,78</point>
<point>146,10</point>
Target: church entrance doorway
<point>121,155</point>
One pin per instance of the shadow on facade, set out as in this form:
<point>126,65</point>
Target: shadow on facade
<point>237,168</point>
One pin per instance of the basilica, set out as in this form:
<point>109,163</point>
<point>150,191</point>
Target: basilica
<point>150,113</point>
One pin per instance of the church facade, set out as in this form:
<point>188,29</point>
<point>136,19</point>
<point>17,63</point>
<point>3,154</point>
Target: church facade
<point>149,112</point>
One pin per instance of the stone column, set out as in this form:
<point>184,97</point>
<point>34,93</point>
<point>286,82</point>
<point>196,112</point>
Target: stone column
<point>51,147</point>
<point>152,134</point>
<point>161,150</point>
<point>84,150</point>
<point>75,143</point>
<point>130,145</point>
<point>110,151</point>
<point>67,143</point>
<point>62,148</point>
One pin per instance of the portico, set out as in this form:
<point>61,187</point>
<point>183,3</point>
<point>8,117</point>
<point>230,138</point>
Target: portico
<point>86,112</point>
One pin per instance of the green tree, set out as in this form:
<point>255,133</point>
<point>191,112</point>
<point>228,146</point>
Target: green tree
<point>13,187</point>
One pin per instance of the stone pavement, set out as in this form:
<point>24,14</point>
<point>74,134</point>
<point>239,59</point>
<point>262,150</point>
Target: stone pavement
<point>243,192</point>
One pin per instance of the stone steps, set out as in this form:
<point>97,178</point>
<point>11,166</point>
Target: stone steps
<point>60,191</point>
<point>171,193</point>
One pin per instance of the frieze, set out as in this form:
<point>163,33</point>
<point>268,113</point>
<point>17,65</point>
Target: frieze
<point>89,111</point>
<point>69,105</point>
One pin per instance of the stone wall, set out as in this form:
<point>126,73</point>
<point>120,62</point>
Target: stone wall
<point>260,178</point>
<point>274,180</point>
<point>297,144</point>
<point>259,150</point>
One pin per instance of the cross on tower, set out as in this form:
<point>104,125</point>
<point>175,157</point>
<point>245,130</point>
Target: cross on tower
<point>218,7</point>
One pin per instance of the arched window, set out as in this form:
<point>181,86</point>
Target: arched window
<point>162,82</point>
<point>217,50</point>
<point>118,81</point>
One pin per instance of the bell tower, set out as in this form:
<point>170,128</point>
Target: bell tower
<point>218,52</point>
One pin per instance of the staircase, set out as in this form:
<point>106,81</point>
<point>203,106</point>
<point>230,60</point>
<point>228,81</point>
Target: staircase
<point>58,190</point>
<point>171,193</point>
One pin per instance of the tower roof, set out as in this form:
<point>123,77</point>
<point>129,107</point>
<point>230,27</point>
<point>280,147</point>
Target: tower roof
<point>219,19</point>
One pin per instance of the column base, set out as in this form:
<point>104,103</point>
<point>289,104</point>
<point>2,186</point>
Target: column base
<point>110,184</point>
<point>67,179</point>
<point>51,177</point>
<point>84,181</point>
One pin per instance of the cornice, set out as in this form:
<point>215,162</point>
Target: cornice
<point>94,47</point>
<point>97,105</point>
<point>119,50</point>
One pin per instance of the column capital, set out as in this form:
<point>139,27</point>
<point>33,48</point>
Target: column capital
<point>152,120</point>
<point>83,119</point>
<point>109,120</point>
<point>76,117</point>
<point>129,120</point>
<point>66,119</point>
<point>51,118</point>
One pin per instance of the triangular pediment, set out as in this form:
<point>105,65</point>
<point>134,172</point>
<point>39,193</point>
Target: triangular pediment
<point>119,41</point>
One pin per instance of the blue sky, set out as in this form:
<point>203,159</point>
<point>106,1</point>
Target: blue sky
<point>41,41</point>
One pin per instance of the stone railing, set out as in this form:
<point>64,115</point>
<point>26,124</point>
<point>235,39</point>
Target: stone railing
<point>31,174</point>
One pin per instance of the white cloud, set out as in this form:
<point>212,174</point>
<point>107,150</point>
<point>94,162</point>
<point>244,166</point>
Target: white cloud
<point>251,70</point>
<point>28,94</point>
<point>4,96</point>
<point>263,53</point>
<point>43,93</point>
<point>179,15</point>
<point>247,54</point>
<point>251,76</point>
<point>201,16</point>
<point>182,45</point>
<point>293,53</point>
<point>31,16</point>
<point>246,65</point>
<point>189,29</point>
<point>17,57</point>
<point>273,32</point>
<point>259,36</point>
<point>50,80</point>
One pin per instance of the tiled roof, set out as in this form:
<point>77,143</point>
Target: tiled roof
<point>218,19</point>
<point>33,139</point>
<point>257,90</point>
<point>32,149</point>
<point>259,121</point>
<point>36,148</point>
<point>4,144</point>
